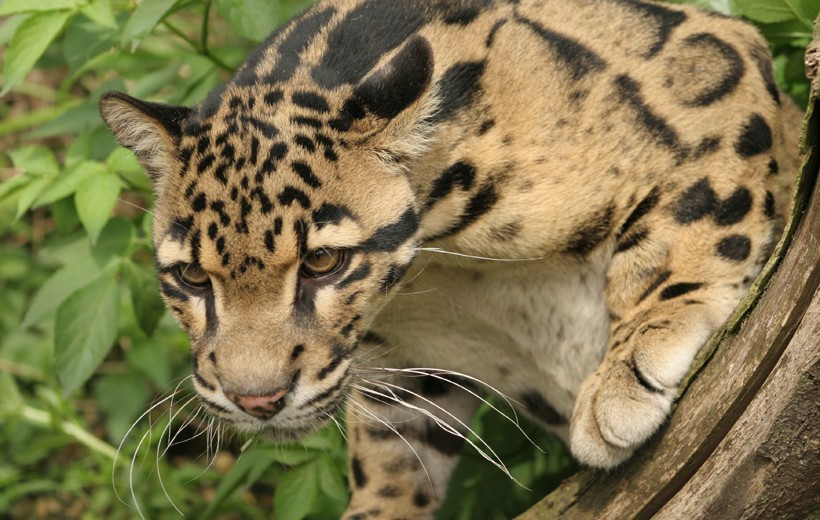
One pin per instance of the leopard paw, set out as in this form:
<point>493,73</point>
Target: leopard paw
<point>617,410</point>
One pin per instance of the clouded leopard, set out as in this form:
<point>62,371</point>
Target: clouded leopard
<point>558,200</point>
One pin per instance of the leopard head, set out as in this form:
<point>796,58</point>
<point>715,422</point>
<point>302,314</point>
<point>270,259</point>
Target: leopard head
<point>284,219</point>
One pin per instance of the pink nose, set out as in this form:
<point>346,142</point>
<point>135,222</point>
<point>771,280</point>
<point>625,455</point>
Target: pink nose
<point>260,406</point>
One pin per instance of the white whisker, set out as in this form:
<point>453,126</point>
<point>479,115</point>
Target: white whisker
<point>462,255</point>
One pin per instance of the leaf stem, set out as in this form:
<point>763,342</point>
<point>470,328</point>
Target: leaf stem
<point>44,419</point>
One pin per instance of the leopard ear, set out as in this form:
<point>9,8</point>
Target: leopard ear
<point>401,82</point>
<point>151,130</point>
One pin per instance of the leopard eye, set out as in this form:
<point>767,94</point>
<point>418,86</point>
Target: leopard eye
<point>193,276</point>
<point>322,262</point>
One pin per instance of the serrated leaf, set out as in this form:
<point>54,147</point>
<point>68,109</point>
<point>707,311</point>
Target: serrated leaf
<point>28,6</point>
<point>253,19</point>
<point>150,358</point>
<point>85,330</point>
<point>67,181</point>
<point>35,159</point>
<point>145,17</point>
<point>29,42</point>
<point>95,199</point>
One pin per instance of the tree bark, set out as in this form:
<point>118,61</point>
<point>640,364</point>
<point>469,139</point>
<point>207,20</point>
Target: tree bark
<point>744,440</point>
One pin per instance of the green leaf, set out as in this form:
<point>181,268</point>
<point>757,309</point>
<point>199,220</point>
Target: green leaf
<point>29,42</point>
<point>100,11</point>
<point>9,27</point>
<point>145,17</point>
<point>67,182</point>
<point>84,40</point>
<point>253,19</point>
<point>36,159</point>
<point>11,400</point>
<point>121,398</point>
<point>26,196</point>
<point>95,199</point>
<point>296,493</point>
<point>238,475</point>
<point>27,6</point>
<point>114,242</point>
<point>150,358</point>
<point>148,306</point>
<point>766,11</point>
<point>85,330</point>
<point>58,288</point>
<point>13,186</point>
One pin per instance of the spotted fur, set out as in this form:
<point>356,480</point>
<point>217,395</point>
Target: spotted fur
<point>626,163</point>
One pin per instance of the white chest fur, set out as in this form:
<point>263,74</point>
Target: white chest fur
<point>521,327</point>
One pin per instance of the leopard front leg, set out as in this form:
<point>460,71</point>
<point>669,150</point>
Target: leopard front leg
<point>667,293</point>
<point>400,458</point>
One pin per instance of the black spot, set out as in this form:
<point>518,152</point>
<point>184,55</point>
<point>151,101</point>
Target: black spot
<point>732,210</point>
<point>479,204</point>
<point>731,76</point>
<point>393,276</point>
<point>679,289</point>
<point>443,441</point>
<point>264,202</point>
<point>362,272</point>
<point>212,357</point>
<point>774,168</point>
<point>254,151</point>
<point>266,129</point>
<point>305,142</point>
<point>491,36</point>
<point>506,232</point>
<point>358,473</point>
<point>589,237</point>
<point>654,285</point>
<point>306,121</point>
<point>389,492</point>
<point>180,228</point>
<point>457,87</point>
<point>205,163</point>
<point>768,206</point>
<point>735,247</point>
<point>665,22</point>
<point>355,45</point>
<point>305,173</point>
<point>302,32</point>
<point>459,174</point>
<point>269,242</point>
<point>277,226</point>
<point>629,92</point>
<point>273,97</point>
<point>644,206</point>
<point>199,203</point>
<point>220,245</point>
<point>296,352</point>
<point>219,173</point>
<point>290,195</point>
<point>698,201</point>
<point>631,241</point>
<point>421,499</point>
<point>330,214</point>
<point>578,59</point>
<point>763,61</point>
<point>755,137</point>
<point>202,144</point>
<point>339,354</point>
<point>706,145</point>
<point>212,231</point>
<point>391,236</point>
<point>540,408</point>
<point>434,386</point>
<point>485,127</point>
<point>311,101</point>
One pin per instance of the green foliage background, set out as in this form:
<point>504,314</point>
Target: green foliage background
<point>85,344</point>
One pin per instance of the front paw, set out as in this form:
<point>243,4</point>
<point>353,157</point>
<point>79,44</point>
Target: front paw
<point>617,410</point>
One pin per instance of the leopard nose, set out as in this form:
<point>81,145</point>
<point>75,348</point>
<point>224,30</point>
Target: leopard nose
<point>260,406</point>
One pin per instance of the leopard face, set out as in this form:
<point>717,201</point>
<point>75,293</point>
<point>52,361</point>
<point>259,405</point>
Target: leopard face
<point>283,220</point>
